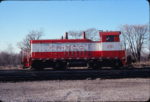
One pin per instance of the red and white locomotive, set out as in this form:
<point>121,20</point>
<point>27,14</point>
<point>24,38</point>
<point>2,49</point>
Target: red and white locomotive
<point>62,53</point>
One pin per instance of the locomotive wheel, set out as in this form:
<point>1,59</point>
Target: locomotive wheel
<point>96,65</point>
<point>37,68</point>
<point>93,65</point>
<point>36,65</point>
<point>89,65</point>
<point>117,64</point>
<point>60,65</point>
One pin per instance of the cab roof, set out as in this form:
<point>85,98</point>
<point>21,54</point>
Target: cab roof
<point>110,33</point>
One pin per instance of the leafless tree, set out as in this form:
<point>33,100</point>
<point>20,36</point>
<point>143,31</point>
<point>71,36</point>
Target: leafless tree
<point>33,35</point>
<point>75,34</point>
<point>124,42</point>
<point>149,41</point>
<point>9,57</point>
<point>134,37</point>
<point>91,34</point>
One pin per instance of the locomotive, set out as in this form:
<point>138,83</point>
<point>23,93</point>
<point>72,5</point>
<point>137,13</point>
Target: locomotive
<point>64,53</point>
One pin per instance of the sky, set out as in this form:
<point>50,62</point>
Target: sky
<point>54,18</point>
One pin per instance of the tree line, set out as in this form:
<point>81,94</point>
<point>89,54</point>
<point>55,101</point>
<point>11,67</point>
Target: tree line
<point>12,59</point>
<point>9,57</point>
<point>135,40</point>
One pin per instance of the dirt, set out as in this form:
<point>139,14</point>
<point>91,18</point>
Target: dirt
<point>137,89</point>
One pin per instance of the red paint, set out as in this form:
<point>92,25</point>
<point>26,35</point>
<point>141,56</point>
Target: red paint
<point>110,33</point>
<point>104,34</point>
<point>76,54</point>
<point>61,41</point>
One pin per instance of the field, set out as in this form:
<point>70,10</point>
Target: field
<point>127,89</point>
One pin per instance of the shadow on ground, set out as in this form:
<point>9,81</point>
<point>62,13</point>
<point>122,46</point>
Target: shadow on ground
<point>73,74</point>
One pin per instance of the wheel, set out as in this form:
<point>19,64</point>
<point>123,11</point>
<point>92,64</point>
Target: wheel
<point>89,64</point>
<point>37,65</point>
<point>24,67</point>
<point>60,65</point>
<point>93,65</point>
<point>117,64</point>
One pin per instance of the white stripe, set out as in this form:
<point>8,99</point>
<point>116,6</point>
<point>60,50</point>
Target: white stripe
<point>65,47</point>
<point>111,46</point>
<point>62,47</point>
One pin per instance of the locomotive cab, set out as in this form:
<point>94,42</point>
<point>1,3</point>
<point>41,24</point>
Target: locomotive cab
<point>112,51</point>
<point>110,36</point>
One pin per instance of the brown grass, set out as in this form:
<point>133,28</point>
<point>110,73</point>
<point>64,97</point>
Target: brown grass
<point>141,64</point>
<point>10,67</point>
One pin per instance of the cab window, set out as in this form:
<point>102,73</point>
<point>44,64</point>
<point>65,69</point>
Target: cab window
<point>110,38</point>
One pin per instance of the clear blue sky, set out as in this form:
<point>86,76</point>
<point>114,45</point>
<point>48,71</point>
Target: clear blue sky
<point>54,18</point>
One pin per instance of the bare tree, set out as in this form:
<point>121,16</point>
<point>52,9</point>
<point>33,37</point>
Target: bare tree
<point>91,34</point>
<point>33,35</point>
<point>75,34</point>
<point>4,59</point>
<point>149,51</point>
<point>124,42</point>
<point>9,57</point>
<point>134,37</point>
<point>149,41</point>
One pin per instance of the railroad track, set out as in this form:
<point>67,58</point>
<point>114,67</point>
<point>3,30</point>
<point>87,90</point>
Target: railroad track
<point>73,74</point>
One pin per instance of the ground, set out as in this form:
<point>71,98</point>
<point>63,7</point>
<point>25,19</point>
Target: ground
<point>125,89</point>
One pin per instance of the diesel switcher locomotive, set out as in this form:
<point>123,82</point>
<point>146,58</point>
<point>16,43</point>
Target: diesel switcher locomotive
<point>65,52</point>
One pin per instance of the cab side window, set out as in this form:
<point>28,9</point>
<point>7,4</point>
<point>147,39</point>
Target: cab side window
<point>110,38</point>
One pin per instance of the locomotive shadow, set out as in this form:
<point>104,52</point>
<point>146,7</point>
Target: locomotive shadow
<point>72,74</point>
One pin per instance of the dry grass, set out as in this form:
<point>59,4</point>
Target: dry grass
<point>76,90</point>
<point>10,67</point>
<point>141,64</point>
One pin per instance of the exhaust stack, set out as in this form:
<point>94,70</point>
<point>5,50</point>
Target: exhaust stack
<point>84,36</point>
<point>66,36</point>
<point>62,37</point>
